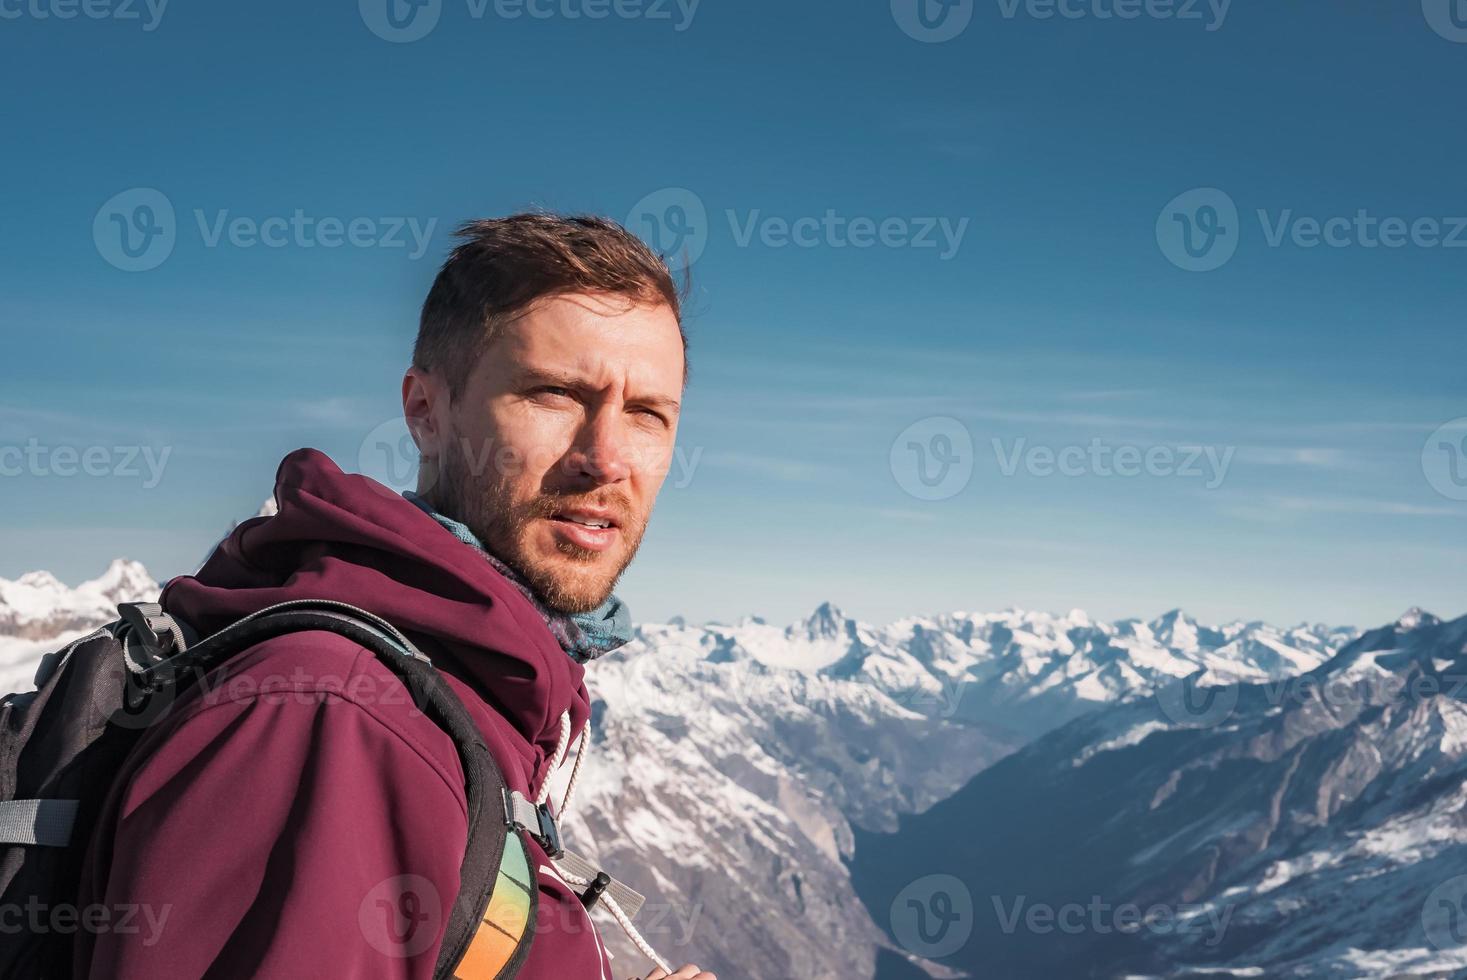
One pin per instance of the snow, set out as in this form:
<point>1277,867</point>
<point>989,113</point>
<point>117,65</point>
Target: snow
<point>39,614</point>
<point>1133,736</point>
<point>724,751</point>
<point>38,596</point>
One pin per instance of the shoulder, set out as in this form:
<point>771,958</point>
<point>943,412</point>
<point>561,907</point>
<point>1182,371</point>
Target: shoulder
<point>305,692</point>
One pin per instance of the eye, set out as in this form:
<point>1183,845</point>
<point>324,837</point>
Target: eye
<point>652,413</point>
<point>553,390</point>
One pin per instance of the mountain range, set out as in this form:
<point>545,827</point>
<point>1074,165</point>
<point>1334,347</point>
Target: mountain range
<point>766,786</point>
<point>1311,826</point>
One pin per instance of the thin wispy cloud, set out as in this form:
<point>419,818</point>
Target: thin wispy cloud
<point>1309,457</point>
<point>1106,394</point>
<point>770,467</point>
<point>334,411</point>
<point>1359,505</point>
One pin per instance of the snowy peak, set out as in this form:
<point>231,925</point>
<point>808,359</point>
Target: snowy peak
<point>40,582</point>
<point>827,622</point>
<point>1178,630</point>
<point>38,606</point>
<point>1415,618</point>
<point>1417,639</point>
<point>1022,670</point>
<point>123,581</point>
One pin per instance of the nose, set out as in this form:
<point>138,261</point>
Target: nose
<point>602,453</point>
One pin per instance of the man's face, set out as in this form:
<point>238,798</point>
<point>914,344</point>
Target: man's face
<point>566,423</point>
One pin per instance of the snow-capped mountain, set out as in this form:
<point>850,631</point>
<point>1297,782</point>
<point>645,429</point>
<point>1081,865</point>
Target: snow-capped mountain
<point>38,607</point>
<point>1307,827</point>
<point>734,767</point>
<point>39,614</point>
<point>726,787</point>
<point>1033,671</point>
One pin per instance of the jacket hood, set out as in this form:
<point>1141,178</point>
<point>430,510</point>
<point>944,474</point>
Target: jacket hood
<point>348,538</point>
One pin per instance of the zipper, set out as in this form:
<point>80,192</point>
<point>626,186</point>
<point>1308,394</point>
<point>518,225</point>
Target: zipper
<point>370,619</point>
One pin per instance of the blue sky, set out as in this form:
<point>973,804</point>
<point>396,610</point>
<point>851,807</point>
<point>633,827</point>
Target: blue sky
<point>903,246</point>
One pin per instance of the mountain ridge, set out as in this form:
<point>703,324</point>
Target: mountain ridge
<point>735,767</point>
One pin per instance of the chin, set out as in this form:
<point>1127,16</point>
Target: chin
<point>568,585</point>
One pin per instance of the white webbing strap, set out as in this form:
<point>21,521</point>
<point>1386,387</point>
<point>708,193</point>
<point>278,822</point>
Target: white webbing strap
<point>522,813</point>
<point>46,823</point>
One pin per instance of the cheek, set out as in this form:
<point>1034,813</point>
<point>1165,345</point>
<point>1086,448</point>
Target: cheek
<point>654,459</point>
<point>533,443</point>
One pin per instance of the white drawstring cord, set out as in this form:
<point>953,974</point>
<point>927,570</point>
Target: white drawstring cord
<point>557,759</point>
<point>561,747</point>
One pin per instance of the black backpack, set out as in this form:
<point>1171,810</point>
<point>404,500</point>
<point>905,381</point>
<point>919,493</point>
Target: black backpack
<point>62,744</point>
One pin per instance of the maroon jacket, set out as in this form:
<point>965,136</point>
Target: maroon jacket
<point>295,809</point>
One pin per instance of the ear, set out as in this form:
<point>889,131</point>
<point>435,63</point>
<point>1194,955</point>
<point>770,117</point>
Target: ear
<point>425,408</point>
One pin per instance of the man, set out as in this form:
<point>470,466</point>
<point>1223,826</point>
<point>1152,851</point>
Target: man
<point>295,816</point>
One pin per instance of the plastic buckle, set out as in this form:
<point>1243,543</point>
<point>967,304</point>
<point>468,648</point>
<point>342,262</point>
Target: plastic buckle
<point>535,820</point>
<point>150,623</point>
<point>549,836</point>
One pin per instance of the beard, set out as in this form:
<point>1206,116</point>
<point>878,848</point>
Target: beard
<point>575,579</point>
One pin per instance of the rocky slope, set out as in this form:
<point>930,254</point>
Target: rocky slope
<point>1311,827</point>
<point>735,767</point>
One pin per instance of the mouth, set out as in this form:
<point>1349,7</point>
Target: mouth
<point>588,528</point>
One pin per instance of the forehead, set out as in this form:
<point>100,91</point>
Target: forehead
<point>603,339</point>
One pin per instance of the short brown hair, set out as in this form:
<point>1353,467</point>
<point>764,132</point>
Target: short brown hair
<point>503,265</point>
